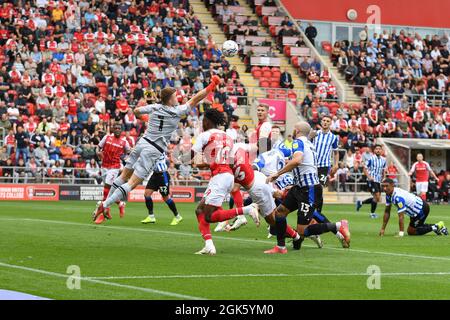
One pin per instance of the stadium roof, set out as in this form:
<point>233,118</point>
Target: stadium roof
<point>419,143</point>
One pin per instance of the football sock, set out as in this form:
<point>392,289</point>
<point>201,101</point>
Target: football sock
<point>117,183</point>
<point>321,218</point>
<point>203,227</point>
<point>171,204</point>
<point>121,193</point>
<point>106,192</point>
<point>224,215</point>
<point>367,201</point>
<point>281,226</point>
<point>291,232</point>
<point>373,206</point>
<point>319,228</point>
<point>248,201</point>
<point>231,203</point>
<point>426,228</point>
<point>149,204</point>
<point>237,199</point>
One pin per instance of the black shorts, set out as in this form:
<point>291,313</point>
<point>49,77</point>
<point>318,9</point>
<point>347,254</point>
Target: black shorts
<point>420,221</point>
<point>374,187</point>
<point>159,181</point>
<point>305,200</point>
<point>323,173</point>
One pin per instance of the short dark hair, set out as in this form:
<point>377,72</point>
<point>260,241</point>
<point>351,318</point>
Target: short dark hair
<point>215,116</point>
<point>166,93</point>
<point>327,116</point>
<point>388,181</point>
<point>377,145</point>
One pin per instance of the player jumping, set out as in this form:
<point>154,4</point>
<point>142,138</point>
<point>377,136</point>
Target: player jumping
<point>113,148</point>
<point>160,181</point>
<point>411,205</point>
<point>215,145</point>
<point>164,119</point>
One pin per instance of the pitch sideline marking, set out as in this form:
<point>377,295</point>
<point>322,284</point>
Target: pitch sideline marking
<point>192,276</point>
<point>106,283</point>
<point>177,233</point>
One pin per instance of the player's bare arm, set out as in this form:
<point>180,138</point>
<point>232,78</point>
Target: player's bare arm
<point>401,223</point>
<point>195,100</point>
<point>387,215</point>
<point>366,172</point>
<point>293,163</point>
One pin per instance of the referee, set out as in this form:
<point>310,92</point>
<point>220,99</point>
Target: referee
<point>375,170</point>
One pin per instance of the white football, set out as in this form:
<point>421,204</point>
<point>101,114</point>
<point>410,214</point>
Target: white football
<point>230,48</point>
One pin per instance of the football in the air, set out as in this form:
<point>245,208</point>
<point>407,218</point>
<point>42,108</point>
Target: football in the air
<point>230,48</point>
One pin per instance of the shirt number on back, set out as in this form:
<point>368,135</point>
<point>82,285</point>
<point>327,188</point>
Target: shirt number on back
<point>161,123</point>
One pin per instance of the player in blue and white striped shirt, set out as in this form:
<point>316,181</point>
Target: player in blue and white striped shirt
<point>411,205</point>
<point>303,197</point>
<point>375,170</point>
<point>160,181</point>
<point>325,143</point>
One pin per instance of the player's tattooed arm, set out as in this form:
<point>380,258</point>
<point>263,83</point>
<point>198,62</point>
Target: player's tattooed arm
<point>387,215</point>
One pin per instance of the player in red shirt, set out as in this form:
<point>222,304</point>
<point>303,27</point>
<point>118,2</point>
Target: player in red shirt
<point>422,171</point>
<point>215,146</point>
<point>113,148</point>
<point>264,127</point>
<point>261,193</point>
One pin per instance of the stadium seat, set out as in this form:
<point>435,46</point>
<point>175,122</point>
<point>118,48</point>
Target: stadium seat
<point>267,74</point>
<point>257,74</point>
<point>264,84</point>
<point>326,46</point>
<point>287,51</point>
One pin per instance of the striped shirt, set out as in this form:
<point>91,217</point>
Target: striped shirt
<point>324,144</point>
<point>305,175</point>
<point>406,202</point>
<point>161,164</point>
<point>376,166</point>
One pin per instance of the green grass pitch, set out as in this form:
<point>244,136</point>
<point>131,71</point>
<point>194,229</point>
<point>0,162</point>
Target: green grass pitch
<point>124,259</point>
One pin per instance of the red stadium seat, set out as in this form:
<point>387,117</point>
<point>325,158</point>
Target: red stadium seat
<point>326,46</point>
<point>258,11</point>
<point>267,74</point>
<point>287,51</point>
<point>257,74</point>
<point>273,30</point>
<point>264,84</point>
<point>256,68</point>
<point>276,74</point>
<point>265,21</point>
<point>294,61</point>
<point>265,69</point>
<point>274,84</point>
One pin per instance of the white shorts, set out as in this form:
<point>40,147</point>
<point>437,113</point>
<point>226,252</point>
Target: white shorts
<point>421,187</point>
<point>219,187</point>
<point>262,194</point>
<point>109,175</point>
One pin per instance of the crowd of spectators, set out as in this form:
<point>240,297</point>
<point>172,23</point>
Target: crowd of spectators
<point>70,69</point>
<point>403,80</point>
